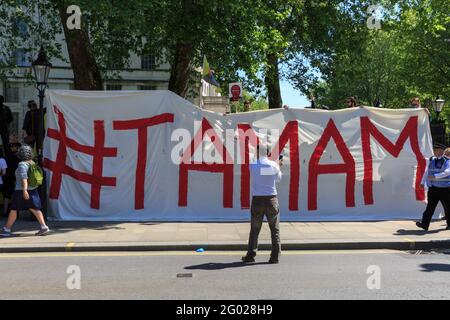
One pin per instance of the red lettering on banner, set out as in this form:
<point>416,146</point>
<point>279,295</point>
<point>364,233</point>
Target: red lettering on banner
<point>290,134</point>
<point>315,169</point>
<point>142,126</point>
<point>98,151</point>
<point>410,131</point>
<point>226,168</point>
<point>247,138</point>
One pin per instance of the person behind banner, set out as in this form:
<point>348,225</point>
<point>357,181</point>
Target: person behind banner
<point>247,106</point>
<point>26,196</point>
<point>265,174</point>
<point>415,103</point>
<point>437,179</point>
<point>352,102</point>
<point>30,126</point>
<point>447,153</point>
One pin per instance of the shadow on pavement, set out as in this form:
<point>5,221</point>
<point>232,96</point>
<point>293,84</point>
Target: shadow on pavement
<point>403,232</point>
<point>26,224</point>
<point>220,266</point>
<point>430,267</point>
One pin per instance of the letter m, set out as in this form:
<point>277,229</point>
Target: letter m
<point>410,131</point>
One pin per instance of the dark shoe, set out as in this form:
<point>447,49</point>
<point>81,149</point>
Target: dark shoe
<point>421,225</point>
<point>273,261</point>
<point>247,259</point>
<point>5,233</point>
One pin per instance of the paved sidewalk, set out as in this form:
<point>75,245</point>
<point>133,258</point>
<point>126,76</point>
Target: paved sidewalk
<point>132,236</point>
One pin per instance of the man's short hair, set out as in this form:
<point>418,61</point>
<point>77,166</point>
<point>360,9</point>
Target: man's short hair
<point>263,149</point>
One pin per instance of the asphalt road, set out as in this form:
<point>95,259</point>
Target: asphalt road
<point>220,275</point>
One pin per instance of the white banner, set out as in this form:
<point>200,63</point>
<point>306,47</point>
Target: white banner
<point>127,156</point>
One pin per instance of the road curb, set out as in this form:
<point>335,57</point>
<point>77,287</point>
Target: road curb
<point>88,247</point>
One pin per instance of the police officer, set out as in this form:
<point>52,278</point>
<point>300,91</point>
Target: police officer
<point>438,182</point>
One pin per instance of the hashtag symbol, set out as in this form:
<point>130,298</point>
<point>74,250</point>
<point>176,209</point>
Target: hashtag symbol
<point>98,152</point>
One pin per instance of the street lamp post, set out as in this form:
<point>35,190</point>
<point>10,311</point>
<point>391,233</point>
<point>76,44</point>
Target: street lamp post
<point>41,68</point>
<point>438,105</point>
<point>438,126</point>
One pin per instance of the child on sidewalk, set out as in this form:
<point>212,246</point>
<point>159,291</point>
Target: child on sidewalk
<point>25,197</point>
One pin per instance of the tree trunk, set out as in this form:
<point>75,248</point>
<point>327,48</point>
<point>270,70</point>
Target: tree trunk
<point>273,82</point>
<point>86,72</point>
<point>180,70</point>
<point>4,130</point>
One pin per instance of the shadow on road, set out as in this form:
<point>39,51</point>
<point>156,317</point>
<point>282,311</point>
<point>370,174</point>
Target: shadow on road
<point>220,266</point>
<point>430,267</point>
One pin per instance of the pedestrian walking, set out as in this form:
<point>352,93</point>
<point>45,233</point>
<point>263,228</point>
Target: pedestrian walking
<point>437,180</point>
<point>264,174</point>
<point>3,167</point>
<point>9,179</point>
<point>26,196</point>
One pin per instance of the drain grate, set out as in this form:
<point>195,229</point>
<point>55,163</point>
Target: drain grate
<point>184,275</point>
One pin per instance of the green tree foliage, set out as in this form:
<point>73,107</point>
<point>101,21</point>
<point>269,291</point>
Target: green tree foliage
<point>408,57</point>
<point>320,46</point>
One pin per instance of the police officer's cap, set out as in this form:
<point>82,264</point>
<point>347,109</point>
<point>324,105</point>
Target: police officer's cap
<point>438,145</point>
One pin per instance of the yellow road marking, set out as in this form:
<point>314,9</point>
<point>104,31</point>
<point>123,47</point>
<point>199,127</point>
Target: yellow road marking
<point>69,246</point>
<point>185,253</point>
<point>412,243</point>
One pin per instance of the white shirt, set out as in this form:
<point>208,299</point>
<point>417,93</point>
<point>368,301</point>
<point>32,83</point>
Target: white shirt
<point>3,166</point>
<point>265,174</point>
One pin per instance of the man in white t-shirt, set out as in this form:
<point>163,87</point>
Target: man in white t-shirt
<point>265,175</point>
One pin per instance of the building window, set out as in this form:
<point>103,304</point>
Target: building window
<point>20,27</point>
<point>22,58</point>
<point>12,92</point>
<point>113,87</point>
<point>147,87</point>
<point>148,62</point>
<point>14,127</point>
